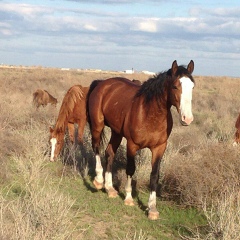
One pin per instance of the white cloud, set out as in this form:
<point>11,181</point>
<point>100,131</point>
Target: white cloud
<point>90,27</point>
<point>146,25</point>
<point>207,33</point>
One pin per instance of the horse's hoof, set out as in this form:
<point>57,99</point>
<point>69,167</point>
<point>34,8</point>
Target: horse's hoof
<point>153,215</point>
<point>129,202</point>
<point>97,185</point>
<point>112,193</point>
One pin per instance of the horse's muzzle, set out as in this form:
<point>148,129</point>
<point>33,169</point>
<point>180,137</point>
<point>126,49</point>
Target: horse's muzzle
<point>186,121</point>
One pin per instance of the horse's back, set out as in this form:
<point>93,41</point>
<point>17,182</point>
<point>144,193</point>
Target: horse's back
<point>114,91</point>
<point>111,101</point>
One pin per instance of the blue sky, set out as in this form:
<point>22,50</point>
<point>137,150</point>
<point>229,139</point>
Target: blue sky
<point>122,34</point>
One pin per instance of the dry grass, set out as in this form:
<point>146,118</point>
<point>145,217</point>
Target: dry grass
<point>200,167</point>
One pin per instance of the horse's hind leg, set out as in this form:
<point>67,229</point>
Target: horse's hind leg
<point>130,170</point>
<point>96,131</point>
<point>110,153</point>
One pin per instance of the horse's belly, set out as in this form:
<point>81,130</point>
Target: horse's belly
<point>115,120</point>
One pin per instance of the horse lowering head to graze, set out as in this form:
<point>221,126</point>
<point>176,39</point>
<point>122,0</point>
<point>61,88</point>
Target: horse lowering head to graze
<point>237,133</point>
<point>140,114</point>
<point>73,110</point>
<point>42,98</point>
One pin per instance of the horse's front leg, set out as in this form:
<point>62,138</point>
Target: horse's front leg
<point>71,132</point>
<point>110,153</point>
<point>157,154</point>
<point>81,125</point>
<point>98,180</point>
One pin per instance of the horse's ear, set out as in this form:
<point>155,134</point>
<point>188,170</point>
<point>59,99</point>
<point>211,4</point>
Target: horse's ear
<point>174,67</point>
<point>190,67</point>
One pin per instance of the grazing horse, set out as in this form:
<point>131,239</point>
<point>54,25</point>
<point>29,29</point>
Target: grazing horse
<point>142,115</point>
<point>138,82</point>
<point>73,110</point>
<point>237,133</point>
<point>42,98</point>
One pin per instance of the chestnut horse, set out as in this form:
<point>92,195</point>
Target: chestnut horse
<point>42,98</point>
<point>142,115</point>
<point>237,133</point>
<point>73,110</point>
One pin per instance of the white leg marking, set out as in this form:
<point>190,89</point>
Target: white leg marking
<point>99,170</point>
<point>108,180</point>
<point>128,188</point>
<point>153,214</point>
<point>53,143</point>
<point>152,201</point>
<point>186,100</point>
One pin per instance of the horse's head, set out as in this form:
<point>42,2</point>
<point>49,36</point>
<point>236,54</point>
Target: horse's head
<point>56,141</point>
<point>181,91</point>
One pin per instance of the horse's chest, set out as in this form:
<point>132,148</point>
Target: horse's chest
<point>149,131</point>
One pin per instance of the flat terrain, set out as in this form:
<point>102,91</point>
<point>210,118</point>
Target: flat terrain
<point>44,200</point>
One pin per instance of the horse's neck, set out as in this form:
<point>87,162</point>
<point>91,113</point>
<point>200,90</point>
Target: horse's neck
<point>52,98</point>
<point>158,109</point>
<point>61,124</point>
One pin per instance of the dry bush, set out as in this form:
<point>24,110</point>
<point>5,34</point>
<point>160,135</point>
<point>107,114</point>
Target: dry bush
<point>205,174</point>
<point>32,207</point>
<point>223,215</point>
<point>39,214</point>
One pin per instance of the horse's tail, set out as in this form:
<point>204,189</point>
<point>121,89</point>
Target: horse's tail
<point>91,88</point>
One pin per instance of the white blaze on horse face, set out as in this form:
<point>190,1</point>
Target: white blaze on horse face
<point>186,101</point>
<point>53,143</point>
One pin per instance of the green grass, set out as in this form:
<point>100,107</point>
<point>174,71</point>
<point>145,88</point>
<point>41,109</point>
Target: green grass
<point>118,219</point>
<point>97,216</point>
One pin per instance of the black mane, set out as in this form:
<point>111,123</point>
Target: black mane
<point>153,88</point>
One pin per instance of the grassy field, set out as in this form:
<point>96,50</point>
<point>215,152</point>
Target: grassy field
<point>40,199</point>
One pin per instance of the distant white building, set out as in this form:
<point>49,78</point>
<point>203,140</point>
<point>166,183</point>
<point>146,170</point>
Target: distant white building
<point>148,73</point>
<point>129,71</point>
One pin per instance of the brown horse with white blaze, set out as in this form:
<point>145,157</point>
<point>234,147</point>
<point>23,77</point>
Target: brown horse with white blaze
<point>42,98</point>
<point>142,115</point>
<point>73,110</point>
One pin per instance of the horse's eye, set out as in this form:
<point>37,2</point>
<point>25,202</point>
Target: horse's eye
<point>174,87</point>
